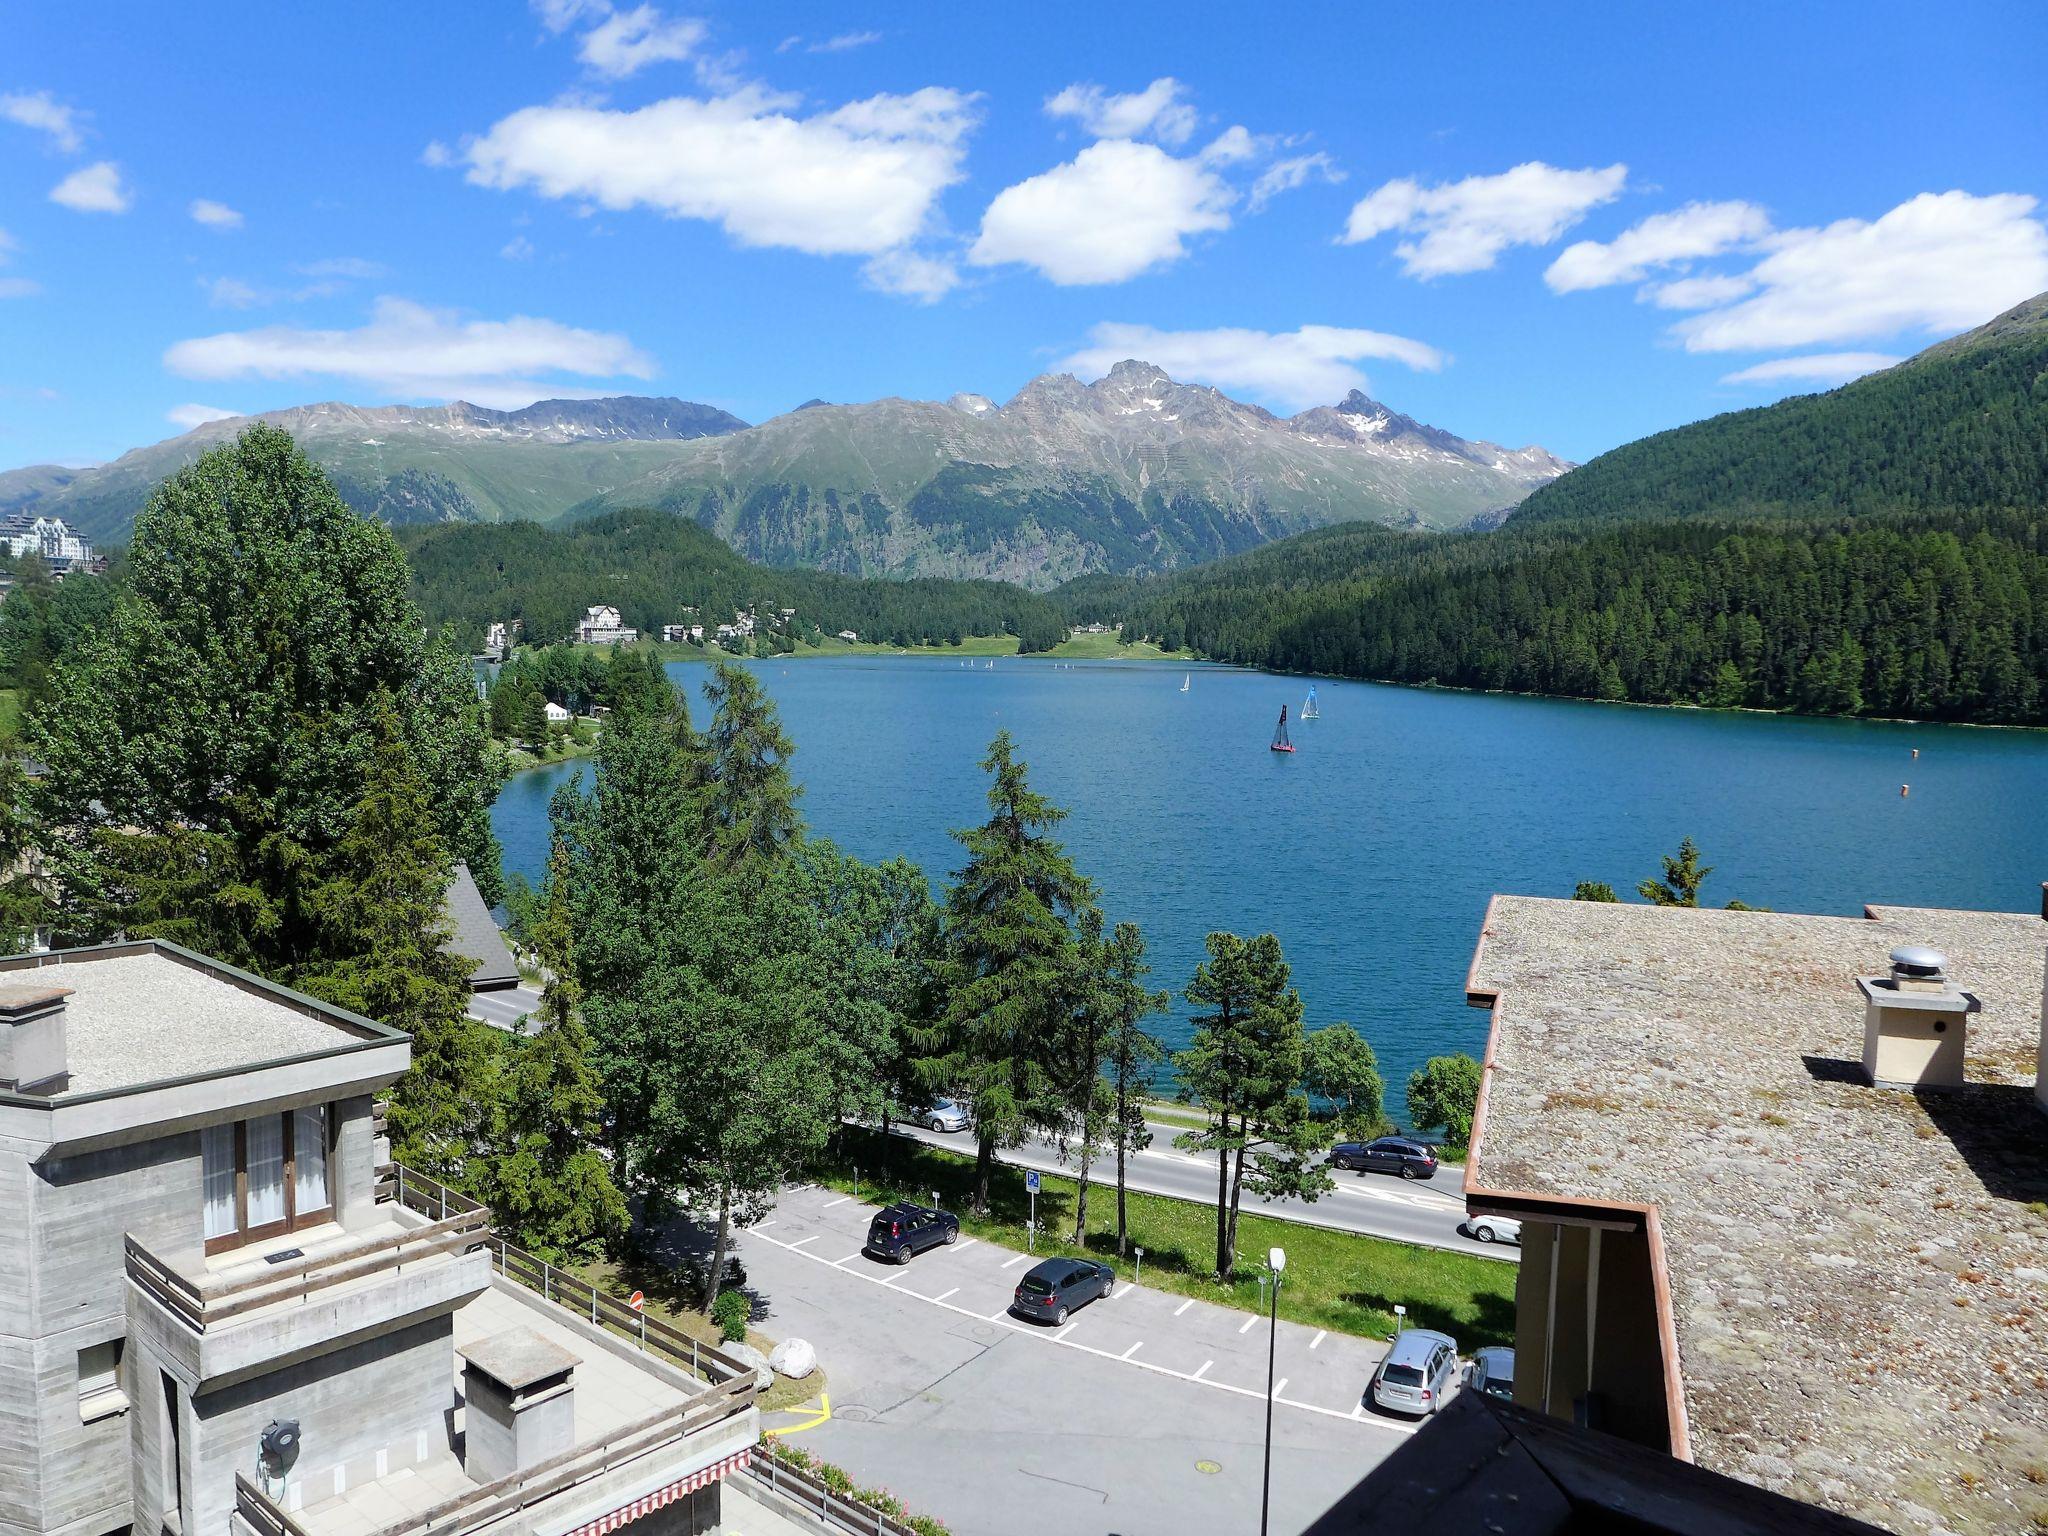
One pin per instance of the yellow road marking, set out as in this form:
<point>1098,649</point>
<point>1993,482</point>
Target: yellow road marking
<point>824,1413</point>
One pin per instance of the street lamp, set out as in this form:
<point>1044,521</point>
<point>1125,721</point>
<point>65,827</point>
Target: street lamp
<point>1276,1258</point>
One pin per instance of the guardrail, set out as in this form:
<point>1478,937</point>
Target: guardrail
<point>811,1494</point>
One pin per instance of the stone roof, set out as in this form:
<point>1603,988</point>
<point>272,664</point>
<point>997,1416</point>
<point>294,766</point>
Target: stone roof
<point>139,1014</point>
<point>1858,1275</point>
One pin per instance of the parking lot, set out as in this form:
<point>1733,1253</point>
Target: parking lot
<point>1145,1412</point>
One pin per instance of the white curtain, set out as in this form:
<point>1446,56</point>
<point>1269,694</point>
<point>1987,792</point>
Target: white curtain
<point>266,1169</point>
<point>217,1160</point>
<point>309,1154</point>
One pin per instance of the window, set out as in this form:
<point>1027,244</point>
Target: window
<point>265,1175</point>
<point>99,1381</point>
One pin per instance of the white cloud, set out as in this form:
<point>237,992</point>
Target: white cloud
<point>561,15</point>
<point>411,351</point>
<point>518,248</point>
<point>233,293</point>
<point>205,210</point>
<point>341,266</point>
<point>1937,263</point>
<point>1661,240</point>
<point>190,416</point>
<point>1699,292</point>
<point>859,180</point>
<point>96,188</point>
<point>1286,175</point>
<point>912,275</point>
<point>1463,226</point>
<point>19,287</point>
<point>626,42</point>
<point>1113,211</point>
<point>844,42</point>
<point>1158,111</point>
<point>1316,364</point>
<point>44,113</point>
<point>1814,368</point>
<point>1234,145</point>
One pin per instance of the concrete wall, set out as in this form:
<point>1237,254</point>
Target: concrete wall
<point>392,1396</point>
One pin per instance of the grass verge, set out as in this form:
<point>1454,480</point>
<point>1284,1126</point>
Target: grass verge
<point>663,1288</point>
<point>1336,1280</point>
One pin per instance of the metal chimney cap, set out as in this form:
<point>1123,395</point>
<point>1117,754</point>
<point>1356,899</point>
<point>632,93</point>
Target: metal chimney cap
<point>1919,959</point>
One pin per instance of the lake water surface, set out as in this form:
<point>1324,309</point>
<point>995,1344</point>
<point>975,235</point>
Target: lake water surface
<point>1372,849</point>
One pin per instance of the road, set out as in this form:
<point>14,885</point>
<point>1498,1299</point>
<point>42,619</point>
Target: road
<point>504,1009</point>
<point>1145,1414</point>
<point>1376,1204</point>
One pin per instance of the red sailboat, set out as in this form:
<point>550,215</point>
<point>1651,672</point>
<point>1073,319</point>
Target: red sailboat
<point>1280,741</point>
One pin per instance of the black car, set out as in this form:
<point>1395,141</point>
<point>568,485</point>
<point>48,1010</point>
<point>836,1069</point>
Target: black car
<point>1050,1291</point>
<point>903,1229</point>
<point>1390,1154</point>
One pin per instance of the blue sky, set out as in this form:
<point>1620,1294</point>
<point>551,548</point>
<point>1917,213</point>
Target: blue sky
<point>1567,225</point>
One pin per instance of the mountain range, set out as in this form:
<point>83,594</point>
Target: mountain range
<point>1132,473</point>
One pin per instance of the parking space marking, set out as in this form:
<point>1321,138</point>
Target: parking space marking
<point>836,1263</point>
<point>965,1242</point>
<point>1279,1387</point>
<point>1320,1336</point>
<point>1017,1260</point>
<point>760,1225</point>
<point>1058,1336</point>
<point>1247,1328</point>
<point>829,1204</point>
<point>1132,1350</point>
<point>944,1294</point>
<point>1183,1306</point>
<point>799,1242</point>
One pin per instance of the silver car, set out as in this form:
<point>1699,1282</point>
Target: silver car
<point>1495,1229</point>
<point>942,1115</point>
<point>1417,1373</point>
<point>1493,1373</point>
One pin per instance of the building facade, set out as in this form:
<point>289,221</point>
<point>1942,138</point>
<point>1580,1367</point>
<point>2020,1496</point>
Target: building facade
<point>602,626</point>
<point>223,1311</point>
<point>23,533</point>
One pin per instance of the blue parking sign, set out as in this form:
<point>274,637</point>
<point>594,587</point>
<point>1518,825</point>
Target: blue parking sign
<point>1031,1180</point>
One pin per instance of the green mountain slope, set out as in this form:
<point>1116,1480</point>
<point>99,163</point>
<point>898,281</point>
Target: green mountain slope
<point>1963,424</point>
<point>652,566</point>
<point>408,464</point>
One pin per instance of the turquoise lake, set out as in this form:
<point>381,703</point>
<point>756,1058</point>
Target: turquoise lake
<point>1372,849</point>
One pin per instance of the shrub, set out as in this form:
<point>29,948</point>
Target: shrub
<point>731,1312</point>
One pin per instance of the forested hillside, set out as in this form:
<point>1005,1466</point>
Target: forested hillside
<point>1964,424</point>
<point>1932,616</point>
<point>652,565</point>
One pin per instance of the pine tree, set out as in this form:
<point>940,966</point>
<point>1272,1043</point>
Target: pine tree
<point>547,1183</point>
<point>1008,960</point>
<point>1594,890</point>
<point>1683,877</point>
<point>1128,1050</point>
<point>750,804</point>
<point>376,907</point>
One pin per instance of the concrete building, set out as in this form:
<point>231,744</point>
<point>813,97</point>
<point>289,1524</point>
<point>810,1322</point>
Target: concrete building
<point>223,1313</point>
<point>1781,1181</point>
<point>602,626</point>
<point>50,537</point>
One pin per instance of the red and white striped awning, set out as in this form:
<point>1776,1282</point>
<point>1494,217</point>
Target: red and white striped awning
<point>647,1503</point>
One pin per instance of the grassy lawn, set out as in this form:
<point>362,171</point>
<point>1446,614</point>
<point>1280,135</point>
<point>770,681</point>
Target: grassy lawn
<point>665,1300</point>
<point>1335,1280</point>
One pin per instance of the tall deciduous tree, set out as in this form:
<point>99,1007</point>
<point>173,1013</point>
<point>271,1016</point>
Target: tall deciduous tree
<point>377,908</point>
<point>1008,963</point>
<point>206,747</point>
<point>546,1180</point>
<point>1245,1066</point>
<point>1340,1066</point>
<point>1445,1093</point>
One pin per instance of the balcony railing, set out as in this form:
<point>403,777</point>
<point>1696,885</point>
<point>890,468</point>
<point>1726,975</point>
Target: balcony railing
<point>208,1301</point>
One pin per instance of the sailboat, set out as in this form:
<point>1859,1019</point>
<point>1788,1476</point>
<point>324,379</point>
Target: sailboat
<point>1280,741</point>
<point>1308,709</point>
<point>1184,682</point>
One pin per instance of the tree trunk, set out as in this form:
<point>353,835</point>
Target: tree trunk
<point>1123,1134</point>
<point>1236,1186</point>
<point>1121,1227</point>
<point>717,1275</point>
<point>1081,1199</point>
<point>984,1163</point>
<point>1223,1199</point>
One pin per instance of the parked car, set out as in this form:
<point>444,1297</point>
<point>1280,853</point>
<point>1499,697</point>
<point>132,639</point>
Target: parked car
<point>1417,1373</point>
<point>942,1115</point>
<point>1389,1154</point>
<point>1052,1290</point>
<point>1493,1373</point>
<point>1495,1229</point>
<point>903,1230</point>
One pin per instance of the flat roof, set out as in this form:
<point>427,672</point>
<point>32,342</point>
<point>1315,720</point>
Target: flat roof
<point>1858,1275</point>
<point>148,1013</point>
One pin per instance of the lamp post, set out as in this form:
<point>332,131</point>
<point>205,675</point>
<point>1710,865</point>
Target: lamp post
<point>1277,1259</point>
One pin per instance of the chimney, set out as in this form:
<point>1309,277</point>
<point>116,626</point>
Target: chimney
<point>33,1056</point>
<point>1915,1022</point>
<point>520,1403</point>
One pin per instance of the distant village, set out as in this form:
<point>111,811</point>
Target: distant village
<point>603,625</point>
<point>51,538</point>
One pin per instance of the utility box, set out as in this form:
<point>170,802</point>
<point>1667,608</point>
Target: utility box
<point>520,1403</point>
<point>1915,1022</point>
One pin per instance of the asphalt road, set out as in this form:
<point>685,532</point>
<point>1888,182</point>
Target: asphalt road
<point>503,1010</point>
<point>1144,1414</point>
<point>1377,1204</point>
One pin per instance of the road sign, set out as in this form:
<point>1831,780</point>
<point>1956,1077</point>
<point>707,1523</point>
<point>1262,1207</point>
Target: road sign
<point>636,1301</point>
<point>1031,1180</point>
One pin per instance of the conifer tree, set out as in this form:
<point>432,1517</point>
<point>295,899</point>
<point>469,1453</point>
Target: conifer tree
<point>1008,959</point>
<point>1123,1002</point>
<point>750,801</point>
<point>1683,876</point>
